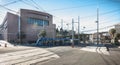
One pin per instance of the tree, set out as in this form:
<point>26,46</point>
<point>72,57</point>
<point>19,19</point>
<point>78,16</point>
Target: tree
<point>117,37</point>
<point>57,31</point>
<point>112,32</point>
<point>58,34</point>
<point>42,33</point>
<point>61,31</point>
<point>65,33</point>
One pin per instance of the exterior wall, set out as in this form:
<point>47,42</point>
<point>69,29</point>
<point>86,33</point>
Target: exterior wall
<point>102,35</point>
<point>12,26</point>
<point>117,27</point>
<point>31,30</point>
<point>9,27</point>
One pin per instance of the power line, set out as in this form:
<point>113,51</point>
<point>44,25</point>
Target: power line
<point>101,28</point>
<point>110,12</point>
<point>109,16</point>
<point>63,8</point>
<point>45,10</point>
<point>75,7</point>
<point>55,16</point>
<point>117,10</point>
<point>11,3</point>
<point>1,14</point>
<point>101,23</point>
<point>8,8</point>
<point>72,7</point>
<point>29,4</point>
<point>109,21</point>
<point>38,5</point>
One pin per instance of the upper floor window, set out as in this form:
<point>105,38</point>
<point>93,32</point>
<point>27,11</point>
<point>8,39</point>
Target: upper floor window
<point>39,22</point>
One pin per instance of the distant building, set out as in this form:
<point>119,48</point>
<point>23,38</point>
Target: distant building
<point>70,32</point>
<point>104,37</point>
<point>117,27</point>
<point>29,22</point>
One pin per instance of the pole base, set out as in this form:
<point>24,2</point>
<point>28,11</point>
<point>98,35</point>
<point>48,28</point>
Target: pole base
<point>72,45</point>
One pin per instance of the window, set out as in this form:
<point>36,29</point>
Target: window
<point>46,23</point>
<point>39,22</point>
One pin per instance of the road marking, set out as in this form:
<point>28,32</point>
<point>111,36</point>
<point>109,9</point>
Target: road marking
<point>26,57</point>
<point>18,53</point>
<point>37,60</point>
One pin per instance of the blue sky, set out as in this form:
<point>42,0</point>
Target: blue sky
<point>67,9</point>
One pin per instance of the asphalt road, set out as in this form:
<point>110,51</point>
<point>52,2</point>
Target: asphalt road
<point>90,55</point>
<point>75,56</point>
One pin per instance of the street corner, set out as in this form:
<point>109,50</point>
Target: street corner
<point>5,44</point>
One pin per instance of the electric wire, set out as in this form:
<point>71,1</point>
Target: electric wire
<point>8,9</point>
<point>3,6</point>
<point>38,5</point>
<point>13,2</point>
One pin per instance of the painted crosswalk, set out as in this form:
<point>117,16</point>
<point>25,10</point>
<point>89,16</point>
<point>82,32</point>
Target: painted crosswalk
<point>26,57</point>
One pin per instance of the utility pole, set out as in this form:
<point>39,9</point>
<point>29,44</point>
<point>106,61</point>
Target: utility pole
<point>97,26</point>
<point>19,27</point>
<point>97,23</point>
<point>84,36</point>
<point>78,29</point>
<point>62,27</point>
<point>73,33</point>
<point>62,23</point>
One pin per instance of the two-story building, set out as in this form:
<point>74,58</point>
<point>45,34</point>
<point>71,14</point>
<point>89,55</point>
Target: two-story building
<point>29,22</point>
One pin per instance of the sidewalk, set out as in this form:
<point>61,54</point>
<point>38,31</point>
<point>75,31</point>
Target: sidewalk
<point>5,44</point>
<point>101,50</point>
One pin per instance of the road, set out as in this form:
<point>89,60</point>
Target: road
<point>84,56</point>
<point>60,55</point>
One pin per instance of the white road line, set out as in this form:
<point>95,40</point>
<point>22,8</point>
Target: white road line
<point>9,58</point>
<point>37,60</point>
<point>18,52</point>
<point>26,57</point>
